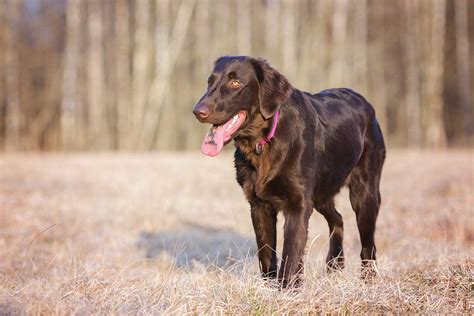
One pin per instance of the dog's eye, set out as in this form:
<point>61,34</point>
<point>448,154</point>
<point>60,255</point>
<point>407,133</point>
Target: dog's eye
<point>235,84</point>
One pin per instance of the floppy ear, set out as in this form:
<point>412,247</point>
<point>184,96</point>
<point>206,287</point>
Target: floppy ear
<point>274,88</point>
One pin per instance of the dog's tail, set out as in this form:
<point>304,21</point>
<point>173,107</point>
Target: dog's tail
<point>376,131</point>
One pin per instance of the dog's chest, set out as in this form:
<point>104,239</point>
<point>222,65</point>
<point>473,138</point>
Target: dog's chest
<point>261,183</point>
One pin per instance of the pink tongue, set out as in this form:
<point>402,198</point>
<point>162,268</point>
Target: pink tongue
<point>214,140</point>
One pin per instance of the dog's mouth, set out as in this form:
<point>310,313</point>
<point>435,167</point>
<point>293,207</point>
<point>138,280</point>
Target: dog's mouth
<point>218,135</point>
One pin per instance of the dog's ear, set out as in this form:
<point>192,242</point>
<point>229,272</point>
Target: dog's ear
<point>274,88</point>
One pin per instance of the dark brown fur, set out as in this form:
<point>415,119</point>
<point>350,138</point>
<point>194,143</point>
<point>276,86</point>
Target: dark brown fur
<point>322,142</point>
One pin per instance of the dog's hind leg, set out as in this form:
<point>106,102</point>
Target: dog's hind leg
<point>364,194</point>
<point>335,257</point>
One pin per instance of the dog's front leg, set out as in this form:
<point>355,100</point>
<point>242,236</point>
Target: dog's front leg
<point>296,234</point>
<point>264,219</point>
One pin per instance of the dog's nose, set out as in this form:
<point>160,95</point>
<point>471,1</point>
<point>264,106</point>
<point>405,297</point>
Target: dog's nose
<point>201,111</point>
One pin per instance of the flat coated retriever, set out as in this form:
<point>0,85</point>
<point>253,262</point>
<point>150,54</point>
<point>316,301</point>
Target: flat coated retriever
<point>294,152</point>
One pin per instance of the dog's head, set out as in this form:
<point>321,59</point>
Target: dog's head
<point>239,89</point>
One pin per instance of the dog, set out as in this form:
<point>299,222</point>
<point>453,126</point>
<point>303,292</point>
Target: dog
<point>294,151</point>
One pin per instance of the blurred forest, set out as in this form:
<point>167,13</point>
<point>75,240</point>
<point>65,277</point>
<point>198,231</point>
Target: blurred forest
<point>125,74</point>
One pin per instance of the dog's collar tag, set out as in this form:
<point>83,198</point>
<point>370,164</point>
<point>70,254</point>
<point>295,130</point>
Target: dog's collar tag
<point>262,142</point>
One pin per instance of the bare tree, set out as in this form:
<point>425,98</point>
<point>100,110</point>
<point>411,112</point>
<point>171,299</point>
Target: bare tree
<point>339,37</point>
<point>98,136</point>
<point>3,85</point>
<point>320,57</point>
<point>462,64</point>
<point>244,33</point>
<point>160,83</point>
<point>12,53</point>
<point>69,105</point>
<point>272,29</point>
<point>203,37</point>
<point>123,64</point>
<point>413,111</point>
<point>377,73</point>
<point>203,58</point>
<point>290,61</point>
<point>141,65</point>
<point>360,56</point>
<point>110,72</point>
<point>435,131</point>
<point>222,34</point>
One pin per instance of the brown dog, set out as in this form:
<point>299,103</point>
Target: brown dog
<point>294,152</point>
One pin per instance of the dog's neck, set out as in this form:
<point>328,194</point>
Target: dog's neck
<point>263,141</point>
<point>257,130</point>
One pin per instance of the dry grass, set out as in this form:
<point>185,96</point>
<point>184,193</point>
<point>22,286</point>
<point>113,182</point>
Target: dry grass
<point>69,226</point>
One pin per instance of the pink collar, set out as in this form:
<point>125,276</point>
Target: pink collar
<point>262,142</point>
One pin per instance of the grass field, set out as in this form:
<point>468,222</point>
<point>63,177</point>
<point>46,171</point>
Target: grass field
<point>85,233</point>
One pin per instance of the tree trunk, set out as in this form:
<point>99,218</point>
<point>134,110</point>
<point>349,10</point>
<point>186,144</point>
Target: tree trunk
<point>462,66</point>
<point>160,84</point>
<point>377,72</point>
<point>14,122</point>
<point>412,105</point>
<point>3,85</point>
<point>361,43</point>
<point>141,66</point>
<point>123,54</point>
<point>202,67</point>
<point>69,113</point>
<point>110,66</point>
<point>272,30</point>
<point>339,38</point>
<point>435,131</point>
<point>244,27</point>
<point>222,34</point>
<point>290,61</point>
<point>98,136</point>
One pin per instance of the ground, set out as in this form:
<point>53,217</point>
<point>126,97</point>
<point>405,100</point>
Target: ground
<point>138,233</point>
